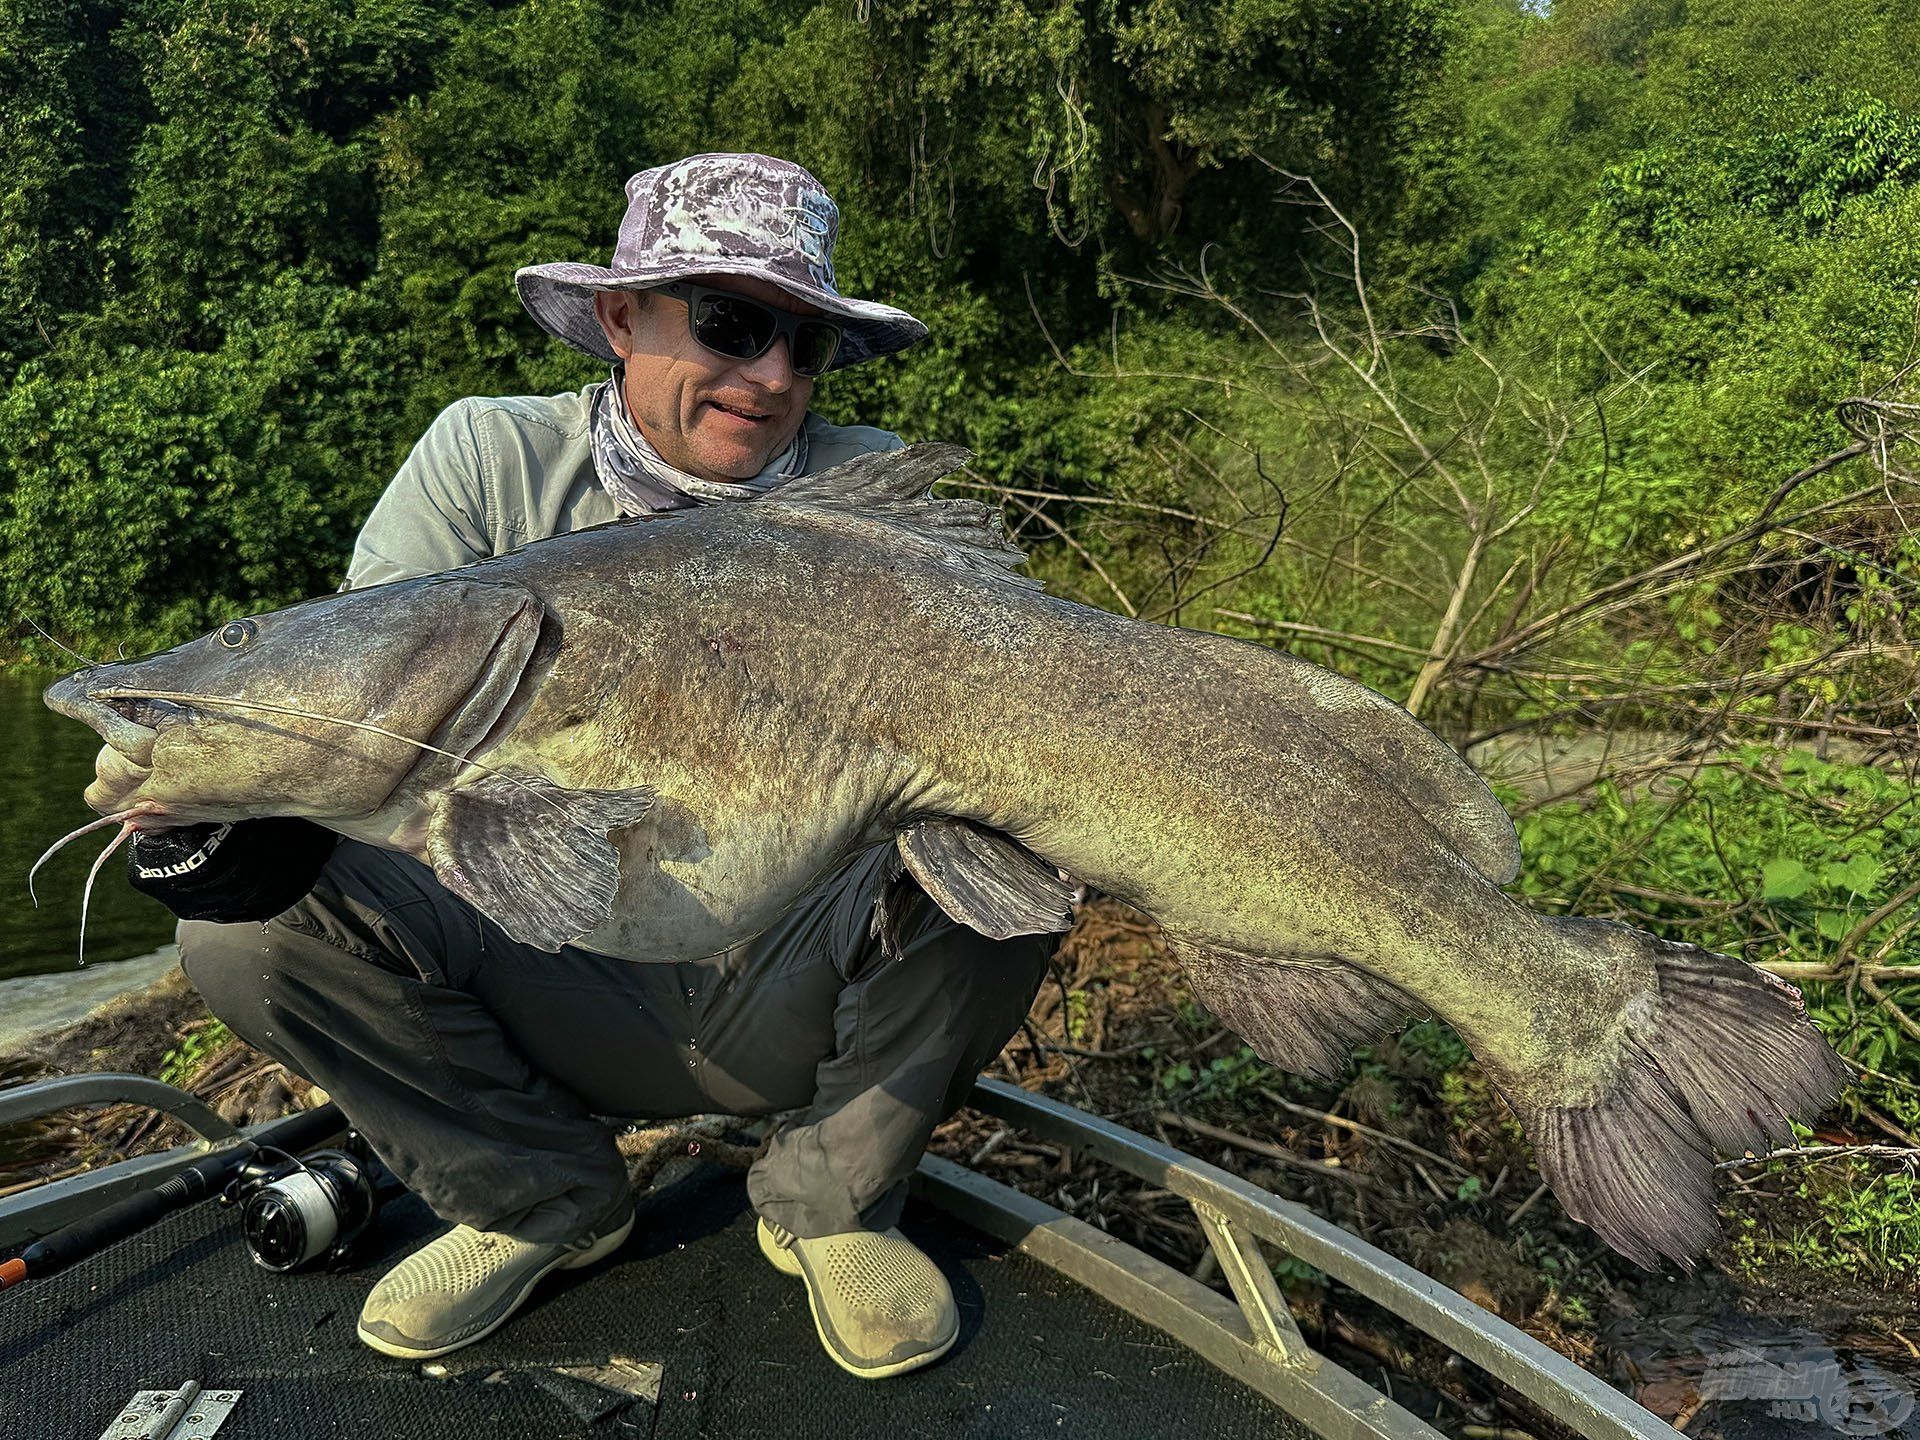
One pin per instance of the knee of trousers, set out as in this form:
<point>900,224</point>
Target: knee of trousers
<point>234,967</point>
<point>990,984</point>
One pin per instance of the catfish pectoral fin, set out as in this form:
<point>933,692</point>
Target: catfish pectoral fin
<point>530,855</point>
<point>1723,1057</point>
<point>1301,1013</point>
<point>985,879</point>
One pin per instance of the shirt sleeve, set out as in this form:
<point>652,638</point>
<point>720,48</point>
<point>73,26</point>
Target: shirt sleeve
<point>433,516</point>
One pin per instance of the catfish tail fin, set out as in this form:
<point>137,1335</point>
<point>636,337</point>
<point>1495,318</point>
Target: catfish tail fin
<point>1719,1057</point>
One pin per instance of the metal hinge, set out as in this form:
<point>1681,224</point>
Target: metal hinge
<point>188,1413</point>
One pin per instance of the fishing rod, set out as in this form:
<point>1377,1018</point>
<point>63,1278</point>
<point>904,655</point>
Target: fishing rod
<point>283,1228</point>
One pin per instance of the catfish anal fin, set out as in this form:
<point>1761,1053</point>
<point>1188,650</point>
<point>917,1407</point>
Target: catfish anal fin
<point>530,855</point>
<point>1305,1014</point>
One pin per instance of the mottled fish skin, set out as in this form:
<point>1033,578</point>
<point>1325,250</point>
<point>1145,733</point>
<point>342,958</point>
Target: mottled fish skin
<point>773,685</point>
<point>793,692</point>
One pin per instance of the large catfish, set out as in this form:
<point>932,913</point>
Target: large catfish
<point>650,737</point>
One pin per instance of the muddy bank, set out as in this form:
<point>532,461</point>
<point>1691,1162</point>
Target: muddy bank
<point>161,1029</point>
<point>1413,1151</point>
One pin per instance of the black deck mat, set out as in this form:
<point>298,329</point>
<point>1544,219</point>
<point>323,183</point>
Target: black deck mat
<point>1037,1355</point>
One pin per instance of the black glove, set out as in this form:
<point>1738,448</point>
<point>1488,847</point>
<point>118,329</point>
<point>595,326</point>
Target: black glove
<point>228,873</point>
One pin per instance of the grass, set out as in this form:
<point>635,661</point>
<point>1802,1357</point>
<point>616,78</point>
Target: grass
<point>1846,1220</point>
<point>199,1041</point>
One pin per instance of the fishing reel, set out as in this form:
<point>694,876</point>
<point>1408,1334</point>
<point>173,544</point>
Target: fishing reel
<point>297,1209</point>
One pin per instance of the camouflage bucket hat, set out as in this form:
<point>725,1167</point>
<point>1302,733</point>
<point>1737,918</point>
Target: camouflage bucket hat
<point>719,215</point>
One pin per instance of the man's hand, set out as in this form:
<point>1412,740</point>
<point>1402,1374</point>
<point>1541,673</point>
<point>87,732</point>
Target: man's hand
<point>164,856</point>
<point>250,870</point>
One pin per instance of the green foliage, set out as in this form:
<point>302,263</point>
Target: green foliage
<point>1851,1221</point>
<point>200,1041</point>
<point>1804,850</point>
<point>1706,210</point>
<point>248,249</point>
<point>1777,857</point>
<point>195,186</point>
<point>1230,1078</point>
<point>154,492</point>
<point>67,118</point>
<point>1296,1276</point>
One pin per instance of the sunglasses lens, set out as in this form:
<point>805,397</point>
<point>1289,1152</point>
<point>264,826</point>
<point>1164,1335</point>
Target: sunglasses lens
<point>741,329</point>
<point>814,344</point>
<point>732,326</point>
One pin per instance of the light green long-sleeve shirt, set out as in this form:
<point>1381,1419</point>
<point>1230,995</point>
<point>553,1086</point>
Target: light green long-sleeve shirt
<point>493,474</point>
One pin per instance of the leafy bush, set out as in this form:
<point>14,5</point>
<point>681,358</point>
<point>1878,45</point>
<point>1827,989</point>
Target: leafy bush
<point>1778,857</point>
<point>255,247</point>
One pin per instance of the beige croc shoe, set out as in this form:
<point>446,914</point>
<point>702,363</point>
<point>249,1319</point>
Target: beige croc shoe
<point>467,1284</point>
<point>881,1306</point>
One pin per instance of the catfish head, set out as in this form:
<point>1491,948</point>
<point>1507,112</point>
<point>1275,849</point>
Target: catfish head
<point>326,709</point>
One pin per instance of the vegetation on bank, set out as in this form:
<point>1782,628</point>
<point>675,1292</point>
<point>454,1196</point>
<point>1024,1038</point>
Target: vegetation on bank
<point>1547,367</point>
<point>248,248</point>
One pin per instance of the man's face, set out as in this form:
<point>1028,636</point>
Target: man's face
<point>715,418</point>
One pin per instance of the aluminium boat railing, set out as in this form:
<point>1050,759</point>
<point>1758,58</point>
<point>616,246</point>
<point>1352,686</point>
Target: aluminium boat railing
<point>32,1214</point>
<point>1257,1340</point>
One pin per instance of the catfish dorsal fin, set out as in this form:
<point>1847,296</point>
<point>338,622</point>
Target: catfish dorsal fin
<point>893,485</point>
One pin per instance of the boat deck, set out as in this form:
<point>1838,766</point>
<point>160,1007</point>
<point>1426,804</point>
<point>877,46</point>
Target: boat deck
<point>708,1340</point>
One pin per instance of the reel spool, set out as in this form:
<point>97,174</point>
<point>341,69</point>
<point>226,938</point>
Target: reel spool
<point>295,1210</point>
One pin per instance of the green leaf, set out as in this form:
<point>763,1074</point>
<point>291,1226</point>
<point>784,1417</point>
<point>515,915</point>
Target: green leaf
<point>1857,876</point>
<point>1833,924</point>
<point>1782,879</point>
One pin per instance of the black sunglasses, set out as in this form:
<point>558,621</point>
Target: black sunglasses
<point>742,329</point>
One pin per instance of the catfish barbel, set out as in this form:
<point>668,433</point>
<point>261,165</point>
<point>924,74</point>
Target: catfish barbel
<point>648,738</point>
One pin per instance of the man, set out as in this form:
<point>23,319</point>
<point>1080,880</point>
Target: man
<point>490,1075</point>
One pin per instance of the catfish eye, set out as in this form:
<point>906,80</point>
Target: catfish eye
<point>236,633</point>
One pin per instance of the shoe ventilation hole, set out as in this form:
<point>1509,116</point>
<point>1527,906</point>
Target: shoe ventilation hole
<point>882,1276</point>
<point>461,1260</point>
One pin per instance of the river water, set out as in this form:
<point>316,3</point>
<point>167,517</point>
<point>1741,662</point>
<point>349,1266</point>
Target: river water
<point>46,760</point>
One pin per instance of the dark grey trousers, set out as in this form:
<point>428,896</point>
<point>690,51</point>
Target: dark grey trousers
<point>487,1074</point>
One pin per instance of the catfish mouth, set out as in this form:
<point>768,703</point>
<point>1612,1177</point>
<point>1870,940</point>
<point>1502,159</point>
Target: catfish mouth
<point>129,725</point>
<point>134,725</point>
<point>140,710</point>
<point>126,765</point>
